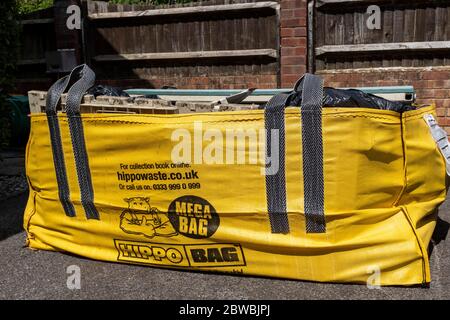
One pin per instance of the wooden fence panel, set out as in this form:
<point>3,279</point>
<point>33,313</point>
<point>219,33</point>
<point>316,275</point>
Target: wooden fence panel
<point>181,45</point>
<point>36,38</point>
<point>205,44</point>
<point>412,34</point>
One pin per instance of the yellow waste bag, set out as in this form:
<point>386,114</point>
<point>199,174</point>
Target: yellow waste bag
<point>310,193</point>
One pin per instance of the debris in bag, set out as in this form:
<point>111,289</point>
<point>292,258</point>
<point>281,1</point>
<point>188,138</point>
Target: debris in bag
<point>353,98</point>
<point>103,90</point>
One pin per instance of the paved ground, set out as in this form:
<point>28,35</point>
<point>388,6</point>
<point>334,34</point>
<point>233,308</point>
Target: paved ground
<point>27,274</point>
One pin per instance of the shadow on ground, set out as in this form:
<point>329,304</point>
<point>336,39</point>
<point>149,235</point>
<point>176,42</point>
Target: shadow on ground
<point>440,234</point>
<point>11,215</point>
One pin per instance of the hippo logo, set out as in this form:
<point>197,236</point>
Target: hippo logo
<point>141,218</point>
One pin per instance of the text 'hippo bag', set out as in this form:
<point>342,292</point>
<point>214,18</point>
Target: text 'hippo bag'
<point>311,193</point>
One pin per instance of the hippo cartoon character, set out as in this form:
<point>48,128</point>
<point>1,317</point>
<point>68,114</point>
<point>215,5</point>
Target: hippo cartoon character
<point>142,219</point>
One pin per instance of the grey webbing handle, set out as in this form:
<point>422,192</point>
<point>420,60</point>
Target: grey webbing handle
<point>54,95</point>
<point>312,146</point>
<point>85,80</point>
<point>275,174</point>
<point>311,117</point>
<point>82,78</point>
<point>52,102</point>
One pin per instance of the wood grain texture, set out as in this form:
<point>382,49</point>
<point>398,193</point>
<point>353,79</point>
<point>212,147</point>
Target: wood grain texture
<point>413,34</point>
<point>188,55</point>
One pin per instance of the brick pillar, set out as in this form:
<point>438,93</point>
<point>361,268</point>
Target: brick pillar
<point>293,34</point>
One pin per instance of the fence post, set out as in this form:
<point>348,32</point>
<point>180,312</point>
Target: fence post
<point>85,32</point>
<point>66,38</point>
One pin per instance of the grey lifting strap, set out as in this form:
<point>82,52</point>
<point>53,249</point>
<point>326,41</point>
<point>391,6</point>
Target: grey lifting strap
<point>311,118</point>
<point>312,145</point>
<point>75,94</point>
<point>52,102</point>
<point>85,78</point>
<point>275,177</point>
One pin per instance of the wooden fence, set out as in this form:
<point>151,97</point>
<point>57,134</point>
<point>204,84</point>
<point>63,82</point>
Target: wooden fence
<point>234,43</point>
<point>412,34</point>
<point>36,39</point>
<point>178,45</point>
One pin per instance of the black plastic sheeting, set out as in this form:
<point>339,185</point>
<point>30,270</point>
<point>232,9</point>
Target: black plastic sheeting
<point>101,90</point>
<point>352,98</point>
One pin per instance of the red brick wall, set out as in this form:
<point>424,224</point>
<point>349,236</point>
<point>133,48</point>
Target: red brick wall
<point>293,40</point>
<point>432,85</point>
